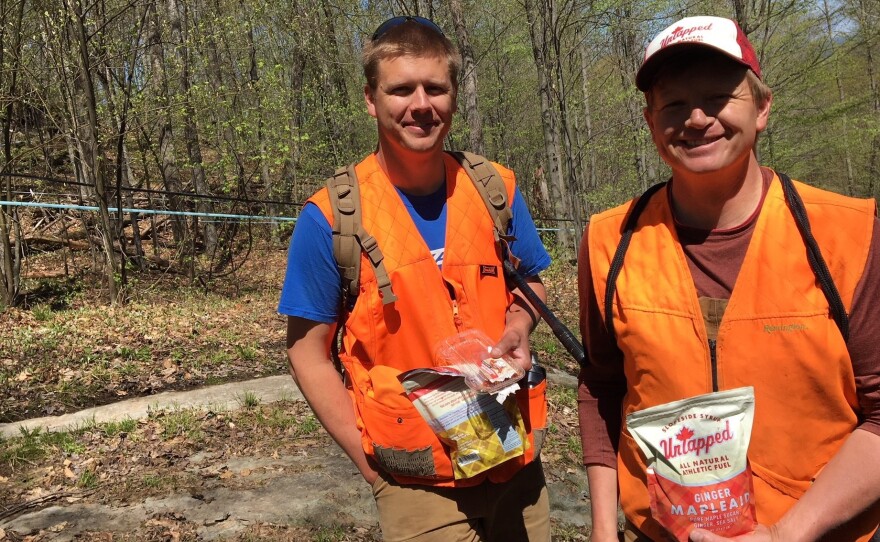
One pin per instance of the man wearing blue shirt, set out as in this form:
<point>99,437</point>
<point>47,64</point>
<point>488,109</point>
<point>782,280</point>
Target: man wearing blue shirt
<point>445,268</point>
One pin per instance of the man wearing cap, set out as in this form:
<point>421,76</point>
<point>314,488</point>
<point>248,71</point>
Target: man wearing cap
<point>439,251</point>
<point>716,291</point>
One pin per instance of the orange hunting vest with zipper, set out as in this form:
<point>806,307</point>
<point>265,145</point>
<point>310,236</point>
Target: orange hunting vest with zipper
<point>381,341</point>
<point>776,335</point>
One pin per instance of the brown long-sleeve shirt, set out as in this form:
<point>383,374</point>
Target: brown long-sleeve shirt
<point>714,259</point>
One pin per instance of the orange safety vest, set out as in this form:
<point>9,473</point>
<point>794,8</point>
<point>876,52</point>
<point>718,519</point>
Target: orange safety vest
<point>775,335</point>
<point>381,341</point>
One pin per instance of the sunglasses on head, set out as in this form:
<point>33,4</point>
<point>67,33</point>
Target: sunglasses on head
<point>397,21</point>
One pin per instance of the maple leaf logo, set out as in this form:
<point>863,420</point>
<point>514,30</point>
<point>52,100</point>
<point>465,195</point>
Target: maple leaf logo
<point>684,434</point>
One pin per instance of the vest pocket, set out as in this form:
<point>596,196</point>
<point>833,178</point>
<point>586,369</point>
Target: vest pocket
<point>416,463</point>
<point>775,494</point>
<point>786,486</point>
<point>403,444</point>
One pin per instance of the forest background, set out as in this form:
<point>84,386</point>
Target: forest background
<point>155,155</point>
<point>197,119</point>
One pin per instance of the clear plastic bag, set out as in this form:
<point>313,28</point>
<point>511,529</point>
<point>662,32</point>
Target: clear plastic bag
<point>469,354</point>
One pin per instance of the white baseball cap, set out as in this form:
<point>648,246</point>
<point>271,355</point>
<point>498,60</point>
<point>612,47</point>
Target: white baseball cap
<point>717,33</point>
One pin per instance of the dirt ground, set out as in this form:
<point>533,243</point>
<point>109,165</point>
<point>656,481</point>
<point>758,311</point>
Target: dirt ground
<point>257,472</point>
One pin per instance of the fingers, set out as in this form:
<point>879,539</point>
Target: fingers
<point>759,535</point>
<point>699,535</point>
<point>514,345</point>
<point>507,342</point>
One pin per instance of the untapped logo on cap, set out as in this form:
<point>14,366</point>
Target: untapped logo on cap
<point>681,33</point>
<point>718,33</point>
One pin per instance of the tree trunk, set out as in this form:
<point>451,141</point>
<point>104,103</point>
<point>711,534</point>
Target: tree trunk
<point>841,96</point>
<point>867,27</point>
<point>628,51</point>
<point>468,84</point>
<point>539,30</point>
<point>297,67</point>
<point>572,173</point>
<point>93,157</point>
<point>165,128</point>
<point>10,251</point>
<point>424,8</point>
<point>124,175</point>
<point>588,117</point>
<point>335,100</point>
<point>177,16</point>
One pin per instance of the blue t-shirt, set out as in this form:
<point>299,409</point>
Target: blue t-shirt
<point>312,285</point>
<point>429,214</point>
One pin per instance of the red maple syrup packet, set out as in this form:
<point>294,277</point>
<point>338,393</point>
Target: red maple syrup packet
<point>698,469</point>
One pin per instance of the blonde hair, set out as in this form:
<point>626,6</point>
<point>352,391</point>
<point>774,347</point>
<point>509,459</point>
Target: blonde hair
<point>760,90</point>
<point>409,38</point>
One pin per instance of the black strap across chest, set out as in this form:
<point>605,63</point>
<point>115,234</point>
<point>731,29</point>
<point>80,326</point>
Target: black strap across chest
<point>798,211</point>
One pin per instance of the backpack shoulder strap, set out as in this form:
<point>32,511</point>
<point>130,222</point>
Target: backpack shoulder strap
<point>350,238</point>
<point>619,254</point>
<point>814,255</point>
<point>491,188</point>
<point>344,194</point>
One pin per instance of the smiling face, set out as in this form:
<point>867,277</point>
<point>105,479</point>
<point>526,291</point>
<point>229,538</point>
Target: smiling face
<point>413,103</point>
<point>703,117</point>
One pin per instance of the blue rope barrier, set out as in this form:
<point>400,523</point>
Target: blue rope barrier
<point>165,212</point>
<point>148,211</point>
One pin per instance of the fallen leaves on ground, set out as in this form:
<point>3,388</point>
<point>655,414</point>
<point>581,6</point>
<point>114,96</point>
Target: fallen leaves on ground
<point>169,335</point>
<point>60,355</point>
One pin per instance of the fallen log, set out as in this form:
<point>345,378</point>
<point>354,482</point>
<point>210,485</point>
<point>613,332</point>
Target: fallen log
<point>53,242</point>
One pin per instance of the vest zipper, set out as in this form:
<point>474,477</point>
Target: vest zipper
<point>456,318</point>
<point>713,356</point>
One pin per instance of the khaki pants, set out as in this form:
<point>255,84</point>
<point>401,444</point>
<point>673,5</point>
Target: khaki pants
<point>515,511</point>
